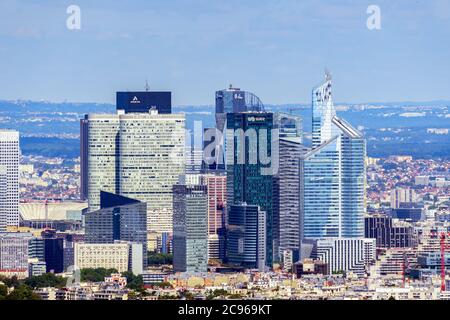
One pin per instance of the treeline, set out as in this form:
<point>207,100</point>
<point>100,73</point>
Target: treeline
<point>157,259</point>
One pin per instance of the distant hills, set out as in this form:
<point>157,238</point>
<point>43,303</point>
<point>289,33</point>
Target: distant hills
<point>52,129</point>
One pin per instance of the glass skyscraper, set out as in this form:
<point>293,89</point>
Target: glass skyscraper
<point>249,178</point>
<point>190,228</point>
<point>231,100</point>
<point>332,174</point>
<point>246,243</point>
<point>119,219</point>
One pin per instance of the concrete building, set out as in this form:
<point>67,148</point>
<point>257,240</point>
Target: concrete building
<point>140,156</point>
<point>104,255</point>
<point>14,254</point>
<point>9,178</point>
<point>347,254</point>
<point>401,195</point>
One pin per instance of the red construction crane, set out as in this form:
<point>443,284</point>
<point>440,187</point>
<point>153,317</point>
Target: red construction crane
<point>443,246</point>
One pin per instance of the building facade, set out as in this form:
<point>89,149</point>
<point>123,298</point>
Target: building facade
<point>246,236</point>
<point>332,184</point>
<point>9,179</point>
<point>140,156</point>
<point>347,254</point>
<point>102,255</point>
<point>190,228</point>
<point>14,254</point>
<point>119,219</point>
<point>251,166</point>
<point>217,190</point>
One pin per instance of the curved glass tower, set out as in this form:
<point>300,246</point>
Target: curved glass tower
<point>332,173</point>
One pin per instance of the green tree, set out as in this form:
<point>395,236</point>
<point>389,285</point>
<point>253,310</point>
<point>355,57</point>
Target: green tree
<point>157,259</point>
<point>3,291</point>
<point>45,280</point>
<point>23,292</point>
<point>134,282</point>
<point>95,275</point>
<point>10,282</point>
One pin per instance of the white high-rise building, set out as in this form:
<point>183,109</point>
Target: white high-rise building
<point>347,254</point>
<point>9,178</point>
<point>140,156</point>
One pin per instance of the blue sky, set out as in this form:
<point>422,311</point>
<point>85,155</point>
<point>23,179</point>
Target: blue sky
<point>277,49</point>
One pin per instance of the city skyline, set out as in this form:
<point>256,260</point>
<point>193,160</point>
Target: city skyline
<point>259,44</point>
<point>187,188</point>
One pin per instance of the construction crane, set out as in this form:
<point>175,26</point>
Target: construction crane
<point>443,246</point>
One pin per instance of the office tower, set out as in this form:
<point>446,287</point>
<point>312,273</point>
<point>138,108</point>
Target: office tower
<point>251,167</point>
<point>190,228</point>
<point>140,156</point>
<point>84,138</point>
<point>143,101</point>
<point>332,186</point>
<point>231,100</point>
<point>118,219</point>
<point>246,236</point>
<point>389,233</point>
<point>217,189</point>
<point>346,254</point>
<point>401,195</point>
<point>53,251</point>
<point>14,254</point>
<point>287,188</point>
<point>9,178</point>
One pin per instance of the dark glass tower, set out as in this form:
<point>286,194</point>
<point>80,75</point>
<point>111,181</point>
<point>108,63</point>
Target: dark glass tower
<point>246,236</point>
<point>231,100</point>
<point>249,179</point>
<point>119,218</point>
<point>53,251</point>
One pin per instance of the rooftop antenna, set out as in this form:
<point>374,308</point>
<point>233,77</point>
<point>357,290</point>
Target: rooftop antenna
<point>327,74</point>
<point>147,87</point>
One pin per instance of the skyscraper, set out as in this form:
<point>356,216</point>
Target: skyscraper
<point>190,228</point>
<point>9,178</point>
<point>140,156</point>
<point>246,236</point>
<point>217,190</point>
<point>84,141</point>
<point>250,166</point>
<point>332,174</point>
<point>53,251</point>
<point>287,187</point>
<point>231,100</point>
<point>119,219</point>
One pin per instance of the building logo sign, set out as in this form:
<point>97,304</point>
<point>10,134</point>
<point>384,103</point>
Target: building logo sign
<point>135,100</point>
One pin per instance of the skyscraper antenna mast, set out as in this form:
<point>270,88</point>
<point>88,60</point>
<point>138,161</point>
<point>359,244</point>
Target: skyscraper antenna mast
<point>327,74</point>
